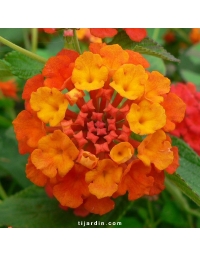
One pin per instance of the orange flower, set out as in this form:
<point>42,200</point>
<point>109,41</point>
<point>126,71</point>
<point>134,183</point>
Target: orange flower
<point>122,152</point>
<point>55,154</point>
<point>113,56</point>
<point>137,59</point>
<point>73,188</point>
<point>99,206</point>
<point>156,149</point>
<point>158,182</point>
<point>58,69</point>
<point>129,81</point>
<point>135,180</point>
<point>50,105</point>
<point>35,175</point>
<point>156,86</point>
<point>32,85</point>
<point>146,117</point>
<point>104,178</point>
<point>81,211</point>
<point>29,129</point>
<point>95,48</point>
<point>89,72</point>
<point>175,110</point>
<point>175,164</point>
<point>87,159</point>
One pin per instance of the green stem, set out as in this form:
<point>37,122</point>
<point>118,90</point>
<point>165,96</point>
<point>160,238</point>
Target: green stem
<point>76,41</point>
<point>22,50</point>
<point>150,210</point>
<point>2,192</point>
<point>34,39</point>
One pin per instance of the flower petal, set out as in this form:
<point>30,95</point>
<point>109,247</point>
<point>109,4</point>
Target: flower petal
<point>55,154</point>
<point>135,180</point>
<point>50,105</point>
<point>129,81</point>
<point>156,149</point>
<point>146,117</point>
<point>34,175</point>
<point>73,188</point>
<point>99,206</point>
<point>104,179</point>
<point>121,152</point>
<point>29,129</point>
<point>89,72</point>
<point>175,110</point>
<point>156,86</point>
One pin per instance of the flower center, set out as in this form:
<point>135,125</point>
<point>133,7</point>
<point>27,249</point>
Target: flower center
<point>98,126</point>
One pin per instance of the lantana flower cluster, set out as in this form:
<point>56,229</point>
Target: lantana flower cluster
<point>189,128</point>
<point>95,126</point>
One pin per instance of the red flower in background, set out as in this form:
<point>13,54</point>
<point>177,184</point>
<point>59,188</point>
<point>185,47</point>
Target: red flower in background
<point>189,128</point>
<point>135,34</point>
<point>49,30</point>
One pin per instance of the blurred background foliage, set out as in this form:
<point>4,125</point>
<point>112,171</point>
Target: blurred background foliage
<point>171,209</point>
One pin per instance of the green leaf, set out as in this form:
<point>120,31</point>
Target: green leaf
<point>32,208</point>
<point>189,67</point>
<point>5,72</point>
<point>4,122</point>
<point>10,159</point>
<point>171,214</point>
<point>3,172</point>
<point>23,66</point>
<point>187,176</point>
<point>146,46</point>
<point>156,64</point>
